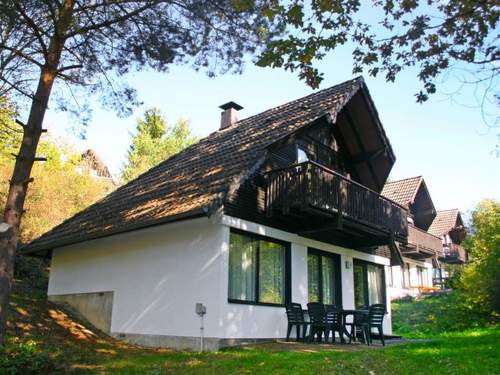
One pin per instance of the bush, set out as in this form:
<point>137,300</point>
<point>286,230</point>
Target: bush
<point>24,359</point>
<point>434,315</point>
<point>32,270</point>
<point>479,281</point>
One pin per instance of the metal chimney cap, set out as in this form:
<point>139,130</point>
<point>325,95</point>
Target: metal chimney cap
<point>229,105</point>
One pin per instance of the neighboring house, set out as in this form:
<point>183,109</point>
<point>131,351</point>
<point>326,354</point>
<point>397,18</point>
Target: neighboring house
<point>91,163</point>
<point>278,207</point>
<point>423,249</point>
<point>449,226</point>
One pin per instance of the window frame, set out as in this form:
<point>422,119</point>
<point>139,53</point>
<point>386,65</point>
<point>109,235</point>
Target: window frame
<point>406,280</point>
<point>337,278</point>
<point>366,294</point>
<point>287,270</point>
<point>421,274</point>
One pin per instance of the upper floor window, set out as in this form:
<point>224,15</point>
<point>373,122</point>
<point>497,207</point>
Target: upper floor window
<point>301,155</point>
<point>258,269</point>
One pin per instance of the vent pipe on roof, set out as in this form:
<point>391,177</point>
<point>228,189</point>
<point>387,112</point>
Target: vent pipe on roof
<point>230,114</point>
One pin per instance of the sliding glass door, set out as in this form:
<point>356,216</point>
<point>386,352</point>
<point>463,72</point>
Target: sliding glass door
<point>324,280</point>
<point>369,284</point>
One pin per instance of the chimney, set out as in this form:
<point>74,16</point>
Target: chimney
<point>230,114</point>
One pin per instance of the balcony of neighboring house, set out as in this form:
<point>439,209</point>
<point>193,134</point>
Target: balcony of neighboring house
<point>324,202</point>
<point>421,244</point>
<point>454,254</point>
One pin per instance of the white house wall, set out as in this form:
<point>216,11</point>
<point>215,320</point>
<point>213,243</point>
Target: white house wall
<point>398,290</point>
<point>270,322</point>
<point>157,275</point>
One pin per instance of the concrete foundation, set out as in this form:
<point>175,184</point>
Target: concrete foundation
<point>184,342</point>
<point>94,307</point>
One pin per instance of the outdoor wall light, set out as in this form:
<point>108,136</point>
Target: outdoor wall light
<point>348,264</point>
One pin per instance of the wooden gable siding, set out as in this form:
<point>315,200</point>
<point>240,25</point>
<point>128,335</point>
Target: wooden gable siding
<point>248,202</point>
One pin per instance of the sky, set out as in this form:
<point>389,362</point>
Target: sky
<point>448,143</point>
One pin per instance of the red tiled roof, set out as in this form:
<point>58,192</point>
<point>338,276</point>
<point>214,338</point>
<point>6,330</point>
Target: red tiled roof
<point>444,221</point>
<point>402,191</point>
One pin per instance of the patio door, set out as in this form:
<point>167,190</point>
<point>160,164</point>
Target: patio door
<point>323,275</point>
<point>369,284</point>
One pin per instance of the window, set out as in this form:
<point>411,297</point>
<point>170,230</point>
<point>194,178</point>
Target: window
<point>422,275</point>
<point>323,277</point>
<point>406,275</point>
<point>390,276</point>
<point>369,284</point>
<point>301,155</point>
<point>258,270</point>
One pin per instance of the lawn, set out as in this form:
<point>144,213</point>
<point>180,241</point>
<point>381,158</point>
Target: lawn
<point>52,340</point>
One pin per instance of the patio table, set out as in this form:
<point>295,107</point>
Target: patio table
<point>344,313</point>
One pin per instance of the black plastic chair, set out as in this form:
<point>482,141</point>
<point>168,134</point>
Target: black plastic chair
<point>375,320</point>
<point>295,316</point>
<point>333,322</point>
<point>359,324</point>
<point>317,317</point>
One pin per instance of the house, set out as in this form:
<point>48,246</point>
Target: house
<point>281,206</point>
<point>424,248</point>
<point>92,164</point>
<point>449,226</point>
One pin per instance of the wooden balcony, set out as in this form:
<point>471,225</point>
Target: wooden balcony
<point>455,254</point>
<point>309,191</point>
<point>422,245</point>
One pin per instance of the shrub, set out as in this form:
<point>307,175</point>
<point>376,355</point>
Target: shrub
<point>479,281</point>
<point>24,359</point>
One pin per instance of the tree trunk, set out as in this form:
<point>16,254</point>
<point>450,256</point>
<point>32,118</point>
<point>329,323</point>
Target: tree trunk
<point>9,230</point>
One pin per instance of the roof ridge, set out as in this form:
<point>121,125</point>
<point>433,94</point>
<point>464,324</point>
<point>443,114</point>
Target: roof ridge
<point>404,179</point>
<point>358,79</point>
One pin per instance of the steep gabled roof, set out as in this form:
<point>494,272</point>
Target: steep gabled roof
<point>197,179</point>
<point>445,221</point>
<point>402,191</point>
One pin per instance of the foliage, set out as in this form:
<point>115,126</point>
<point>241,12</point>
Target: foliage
<point>59,183</point>
<point>433,36</point>
<point>479,281</point>
<point>23,359</point>
<point>431,316</point>
<point>105,40</point>
<point>154,142</point>
<point>72,348</point>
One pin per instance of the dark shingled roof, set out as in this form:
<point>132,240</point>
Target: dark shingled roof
<point>402,191</point>
<point>197,179</point>
<point>444,221</point>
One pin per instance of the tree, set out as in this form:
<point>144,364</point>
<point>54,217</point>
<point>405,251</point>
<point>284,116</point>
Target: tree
<point>68,48</point>
<point>432,36</point>
<point>479,281</point>
<point>154,142</point>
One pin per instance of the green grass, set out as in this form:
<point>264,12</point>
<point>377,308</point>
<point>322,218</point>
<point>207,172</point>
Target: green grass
<point>43,327</point>
<point>472,352</point>
<point>434,315</point>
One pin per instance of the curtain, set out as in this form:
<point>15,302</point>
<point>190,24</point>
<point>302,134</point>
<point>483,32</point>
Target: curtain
<point>313,277</point>
<point>328,280</point>
<point>375,287</point>
<point>359,286</point>
<point>271,272</point>
<point>242,263</point>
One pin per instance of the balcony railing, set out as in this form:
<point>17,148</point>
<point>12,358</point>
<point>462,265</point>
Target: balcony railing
<point>311,185</point>
<point>423,244</point>
<point>454,253</point>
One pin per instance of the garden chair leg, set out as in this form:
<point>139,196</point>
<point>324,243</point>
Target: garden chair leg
<point>381,333</point>
<point>289,330</point>
<point>298,332</point>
